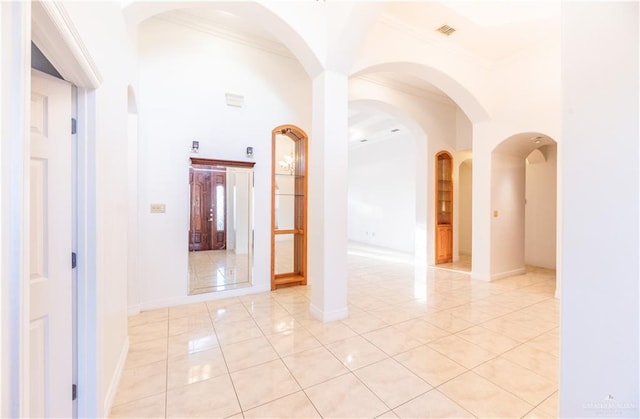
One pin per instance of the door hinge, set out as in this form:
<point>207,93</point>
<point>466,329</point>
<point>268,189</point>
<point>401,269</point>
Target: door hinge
<point>74,392</point>
<point>74,126</point>
<point>74,260</point>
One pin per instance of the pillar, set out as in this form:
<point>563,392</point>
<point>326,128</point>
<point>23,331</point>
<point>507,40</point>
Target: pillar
<point>327,212</point>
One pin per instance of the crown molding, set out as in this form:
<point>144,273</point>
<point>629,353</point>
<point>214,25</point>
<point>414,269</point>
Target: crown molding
<point>52,24</point>
<point>408,89</point>
<point>221,31</point>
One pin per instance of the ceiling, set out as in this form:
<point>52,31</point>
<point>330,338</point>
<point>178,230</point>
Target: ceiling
<point>487,30</point>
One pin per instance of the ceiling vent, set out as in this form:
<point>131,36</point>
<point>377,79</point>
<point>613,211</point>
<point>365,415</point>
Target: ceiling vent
<point>446,29</point>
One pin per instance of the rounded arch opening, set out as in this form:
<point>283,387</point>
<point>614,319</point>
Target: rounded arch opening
<point>261,15</point>
<point>524,205</point>
<point>470,105</point>
<point>387,201</point>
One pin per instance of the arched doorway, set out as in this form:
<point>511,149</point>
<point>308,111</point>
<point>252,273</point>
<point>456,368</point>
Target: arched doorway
<point>523,199</point>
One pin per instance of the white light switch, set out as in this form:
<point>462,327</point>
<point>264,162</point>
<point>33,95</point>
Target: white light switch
<point>158,208</point>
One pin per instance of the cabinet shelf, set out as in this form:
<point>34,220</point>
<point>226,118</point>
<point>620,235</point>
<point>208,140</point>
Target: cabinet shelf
<point>444,207</point>
<point>288,207</point>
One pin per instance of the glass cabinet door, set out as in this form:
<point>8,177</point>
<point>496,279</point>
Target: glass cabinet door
<point>444,208</point>
<point>289,208</point>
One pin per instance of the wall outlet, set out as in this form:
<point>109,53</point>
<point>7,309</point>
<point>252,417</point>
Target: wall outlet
<point>158,208</point>
<point>495,214</point>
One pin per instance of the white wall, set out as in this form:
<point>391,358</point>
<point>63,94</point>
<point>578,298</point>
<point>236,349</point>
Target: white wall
<point>184,75</point>
<point>431,117</point>
<point>101,27</point>
<point>599,350</point>
<point>382,193</point>
<point>465,207</point>
<point>540,210</point>
<point>507,228</point>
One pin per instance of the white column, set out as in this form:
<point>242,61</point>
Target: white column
<point>481,203</point>
<point>599,357</point>
<point>600,320</point>
<point>327,212</point>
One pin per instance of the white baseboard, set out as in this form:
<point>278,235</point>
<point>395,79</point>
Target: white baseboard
<point>507,274</point>
<point>328,316</point>
<point>478,277</point>
<point>133,310</point>
<point>199,298</point>
<point>115,379</point>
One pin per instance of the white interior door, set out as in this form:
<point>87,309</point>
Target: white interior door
<point>50,226</point>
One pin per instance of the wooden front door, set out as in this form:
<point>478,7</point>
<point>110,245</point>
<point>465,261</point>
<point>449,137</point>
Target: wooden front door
<point>207,228</point>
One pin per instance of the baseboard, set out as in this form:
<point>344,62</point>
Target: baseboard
<point>507,274</point>
<point>133,310</point>
<point>478,277</point>
<point>115,379</point>
<point>199,298</point>
<point>328,316</point>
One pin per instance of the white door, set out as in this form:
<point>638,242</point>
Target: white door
<point>50,226</point>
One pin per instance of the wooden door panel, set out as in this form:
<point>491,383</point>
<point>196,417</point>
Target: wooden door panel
<point>200,226</point>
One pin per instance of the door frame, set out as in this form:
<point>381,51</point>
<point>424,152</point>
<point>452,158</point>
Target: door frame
<point>56,37</point>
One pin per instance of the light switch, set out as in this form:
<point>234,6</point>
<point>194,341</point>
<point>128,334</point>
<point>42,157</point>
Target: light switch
<point>495,213</point>
<point>158,208</point>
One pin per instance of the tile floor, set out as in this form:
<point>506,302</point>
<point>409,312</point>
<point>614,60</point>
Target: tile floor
<point>217,270</point>
<point>417,343</point>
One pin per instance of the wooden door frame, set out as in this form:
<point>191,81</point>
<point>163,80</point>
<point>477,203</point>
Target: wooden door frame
<point>223,164</point>
<point>297,135</point>
<point>436,224</point>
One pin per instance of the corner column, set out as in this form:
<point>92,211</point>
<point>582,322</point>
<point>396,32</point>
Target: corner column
<point>328,164</point>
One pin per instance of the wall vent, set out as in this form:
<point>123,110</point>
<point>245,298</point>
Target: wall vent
<point>446,29</point>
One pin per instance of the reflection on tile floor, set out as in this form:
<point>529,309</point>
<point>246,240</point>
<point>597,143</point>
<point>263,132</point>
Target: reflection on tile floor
<point>217,270</point>
<point>417,343</point>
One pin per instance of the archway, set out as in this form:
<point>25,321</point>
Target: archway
<point>470,105</point>
<point>384,136</point>
<point>523,199</point>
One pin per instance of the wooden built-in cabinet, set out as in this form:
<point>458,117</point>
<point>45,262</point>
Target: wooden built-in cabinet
<point>289,207</point>
<point>444,207</point>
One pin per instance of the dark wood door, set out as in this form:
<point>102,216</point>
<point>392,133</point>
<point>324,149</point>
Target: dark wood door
<point>201,209</point>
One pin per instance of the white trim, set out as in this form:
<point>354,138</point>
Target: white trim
<point>134,309</point>
<point>87,293</point>
<point>328,316</point>
<point>507,274</point>
<point>198,298</point>
<point>56,36</point>
<point>115,380</point>
<point>15,54</point>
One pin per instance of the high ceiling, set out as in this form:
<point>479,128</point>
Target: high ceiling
<point>487,30</point>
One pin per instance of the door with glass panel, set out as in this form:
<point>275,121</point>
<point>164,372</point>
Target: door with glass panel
<point>289,207</point>
<point>444,208</point>
<point>208,207</point>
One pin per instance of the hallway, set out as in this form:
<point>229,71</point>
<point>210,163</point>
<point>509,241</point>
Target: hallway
<point>444,347</point>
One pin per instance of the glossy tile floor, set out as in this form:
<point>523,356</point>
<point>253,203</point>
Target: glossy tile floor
<point>417,344</point>
<point>217,270</point>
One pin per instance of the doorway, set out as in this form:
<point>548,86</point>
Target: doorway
<point>51,209</point>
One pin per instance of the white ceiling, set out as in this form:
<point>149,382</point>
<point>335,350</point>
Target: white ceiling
<point>487,30</point>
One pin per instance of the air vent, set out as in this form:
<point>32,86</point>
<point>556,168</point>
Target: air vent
<point>446,29</point>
